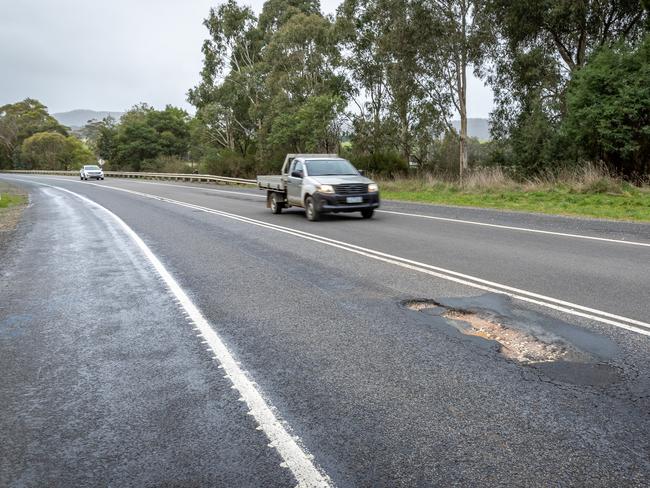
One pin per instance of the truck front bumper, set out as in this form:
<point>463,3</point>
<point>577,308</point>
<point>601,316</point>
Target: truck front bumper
<point>332,202</point>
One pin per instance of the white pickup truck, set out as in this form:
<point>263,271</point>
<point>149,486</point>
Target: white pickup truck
<point>320,183</point>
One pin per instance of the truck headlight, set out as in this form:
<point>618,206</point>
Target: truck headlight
<point>373,187</point>
<point>326,188</point>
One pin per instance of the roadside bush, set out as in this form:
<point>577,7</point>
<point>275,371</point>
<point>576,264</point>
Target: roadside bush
<point>166,164</point>
<point>228,163</point>
<point>52,150</point>
<point>380,163</point>
<point>609,109</point>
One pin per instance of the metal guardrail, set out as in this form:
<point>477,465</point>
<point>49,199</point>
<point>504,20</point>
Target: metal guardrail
<point>149,176</point>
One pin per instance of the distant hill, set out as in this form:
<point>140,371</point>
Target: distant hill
<point>479,128</point>
<point>79,118</point>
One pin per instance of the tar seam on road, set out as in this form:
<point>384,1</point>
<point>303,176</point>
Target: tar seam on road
<point>294,456</point>
<point>472,281</point>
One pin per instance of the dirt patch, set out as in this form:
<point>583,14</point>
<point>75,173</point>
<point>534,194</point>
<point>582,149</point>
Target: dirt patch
<point>514,344</point>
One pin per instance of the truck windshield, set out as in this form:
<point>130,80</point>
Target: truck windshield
<point>326,167</point>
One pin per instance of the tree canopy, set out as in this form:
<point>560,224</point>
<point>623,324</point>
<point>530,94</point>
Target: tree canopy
<point>382,82</point>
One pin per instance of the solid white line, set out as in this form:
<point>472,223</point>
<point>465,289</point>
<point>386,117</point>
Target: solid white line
<point>295,457</point>
<point>475,282</point>
<point>521,229</point>
<point>442,219</point>
<point>430,217</point>
<point>240,193</point>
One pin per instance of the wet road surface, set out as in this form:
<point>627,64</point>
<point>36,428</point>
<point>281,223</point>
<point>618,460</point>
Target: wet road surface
<point>107,382</point>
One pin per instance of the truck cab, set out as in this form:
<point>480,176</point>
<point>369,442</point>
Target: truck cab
<point>320,183</point>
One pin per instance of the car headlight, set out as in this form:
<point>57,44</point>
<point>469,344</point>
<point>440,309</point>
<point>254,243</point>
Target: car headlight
<point>373,187</point>
<point>326,188</point>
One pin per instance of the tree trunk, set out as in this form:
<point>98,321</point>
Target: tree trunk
<point>405,137</point>
<point>462,93</point>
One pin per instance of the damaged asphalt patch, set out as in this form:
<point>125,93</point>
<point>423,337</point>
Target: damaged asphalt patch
<point>558,350</point>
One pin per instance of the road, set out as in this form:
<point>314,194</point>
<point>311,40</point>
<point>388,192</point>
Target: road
<point>177,334</point>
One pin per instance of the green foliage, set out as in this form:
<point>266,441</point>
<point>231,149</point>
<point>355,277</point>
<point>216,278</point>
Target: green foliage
<point>308,127</point>
<point>539,47</point>
<point>609,109</point>
<point>386,76</point>
<point>268,84</point>
<point>143,136</point>
<point>19,121</point>
<point>387,164</point>
<point>225,162</point>
<point>51,150</point>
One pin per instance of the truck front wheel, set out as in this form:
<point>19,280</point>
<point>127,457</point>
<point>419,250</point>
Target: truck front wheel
<point>310,209</point>
<point>276,205</point>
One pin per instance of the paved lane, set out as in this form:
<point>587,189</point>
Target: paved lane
<point>103,380</point>
<point>606,276</point>
<point>384,396</point>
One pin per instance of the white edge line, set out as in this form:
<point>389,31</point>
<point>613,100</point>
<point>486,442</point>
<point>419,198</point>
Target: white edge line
<point>523,295</point>
<point>296,459</point>
<point>521,229</point>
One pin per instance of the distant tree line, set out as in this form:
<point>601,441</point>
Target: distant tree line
<point>30,138</point>
<point>381,81</point>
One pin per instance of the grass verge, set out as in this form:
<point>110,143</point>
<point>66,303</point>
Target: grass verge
<point>586,195</point>
<point>12,202</point>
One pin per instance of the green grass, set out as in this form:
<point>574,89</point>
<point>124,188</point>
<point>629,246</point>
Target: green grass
<point>11,196</point>
<point>11,200</point>
<point>626,203</point>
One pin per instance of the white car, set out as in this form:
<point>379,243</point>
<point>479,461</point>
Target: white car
<point>91,171</point>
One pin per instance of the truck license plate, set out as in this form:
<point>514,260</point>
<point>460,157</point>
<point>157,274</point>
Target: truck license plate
<point>354,199</point>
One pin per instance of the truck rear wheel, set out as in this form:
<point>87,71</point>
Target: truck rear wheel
<point>276,205</point>
<point>310,210</point>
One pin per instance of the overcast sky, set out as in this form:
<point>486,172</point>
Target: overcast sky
<point>110,55</point>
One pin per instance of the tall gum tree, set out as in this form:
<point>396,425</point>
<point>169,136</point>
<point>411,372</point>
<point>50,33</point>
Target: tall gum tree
<point>455,36</point>
<point>229,93</point>
<point>380,39</point>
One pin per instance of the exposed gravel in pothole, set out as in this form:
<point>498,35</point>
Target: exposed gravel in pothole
<point>515,344</point>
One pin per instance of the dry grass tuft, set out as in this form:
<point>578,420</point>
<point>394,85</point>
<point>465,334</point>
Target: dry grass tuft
<point>590,178</point>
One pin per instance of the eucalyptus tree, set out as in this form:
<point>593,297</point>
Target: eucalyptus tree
<point>543,43</point>
<point>20,120</point>
<point>304,84</point>
<point>455,37</point>
<point>262,76</point>
<point>381,41</point>
<point>230,91</point>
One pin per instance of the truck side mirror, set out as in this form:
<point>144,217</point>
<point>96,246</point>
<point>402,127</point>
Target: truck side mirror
<point>361,172</point>
<point>296,174</point>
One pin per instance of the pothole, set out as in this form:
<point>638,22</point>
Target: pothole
<point>515,344</point>
<point>540,344</point>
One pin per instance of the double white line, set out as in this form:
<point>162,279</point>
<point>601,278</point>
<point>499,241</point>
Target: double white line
<point>438,272</point>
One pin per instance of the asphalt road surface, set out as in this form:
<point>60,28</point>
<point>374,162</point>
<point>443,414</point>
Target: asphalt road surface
<point>156,334</point>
